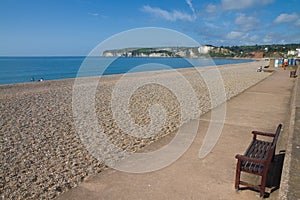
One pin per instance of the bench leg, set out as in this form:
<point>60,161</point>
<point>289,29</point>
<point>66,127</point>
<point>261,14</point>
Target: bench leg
<point>263,185</point>
<point>237,175</point>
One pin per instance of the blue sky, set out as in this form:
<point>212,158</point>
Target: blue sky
<point>75,27</point>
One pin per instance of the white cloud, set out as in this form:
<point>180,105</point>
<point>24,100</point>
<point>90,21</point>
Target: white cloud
<point>254,38</point>
<point>189,2</point>
<point>244,4</point>
<point>297,23</point>
<point>211,25</point>
<point>267,39</point>
<point>170,16</point>
<point>211,8</point>
<point>94,14</point>
<point>246,23</point>
<point>284,18</point>
<point>275,37</point>
<point>235,35</point>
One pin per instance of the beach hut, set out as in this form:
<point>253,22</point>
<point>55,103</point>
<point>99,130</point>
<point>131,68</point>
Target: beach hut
<point>293,61</point>
<point>280,62</point>
<point>272,63</point>
<point>276,63</point>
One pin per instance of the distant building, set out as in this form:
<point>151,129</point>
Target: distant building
<point>298,50</point>
<point>292,53</point>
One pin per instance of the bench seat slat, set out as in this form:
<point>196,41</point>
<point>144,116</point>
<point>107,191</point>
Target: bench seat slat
<point>258,149</point>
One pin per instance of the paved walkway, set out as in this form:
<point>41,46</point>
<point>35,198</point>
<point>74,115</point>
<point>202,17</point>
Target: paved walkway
<point>291,175</point>
<point>261,107</point>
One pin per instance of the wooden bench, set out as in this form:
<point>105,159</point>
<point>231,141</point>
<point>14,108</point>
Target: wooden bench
<point>257,159</point>
<point>293,74</point>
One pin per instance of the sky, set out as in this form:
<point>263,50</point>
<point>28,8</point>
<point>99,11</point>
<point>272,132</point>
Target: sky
<point>75,27</point>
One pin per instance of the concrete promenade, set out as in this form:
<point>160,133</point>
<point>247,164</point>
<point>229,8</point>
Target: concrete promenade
<point>261,107</point>
<point>291,174</point>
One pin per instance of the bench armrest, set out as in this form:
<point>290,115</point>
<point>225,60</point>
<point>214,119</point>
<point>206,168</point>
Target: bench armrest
<point>255,133</point>
<point>245,158</point>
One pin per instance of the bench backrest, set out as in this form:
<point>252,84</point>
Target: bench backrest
<point>271,152</point>
<point>276,136</point>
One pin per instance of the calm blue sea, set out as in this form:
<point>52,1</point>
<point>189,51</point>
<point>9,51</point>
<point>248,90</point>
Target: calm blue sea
<point>26,69</point>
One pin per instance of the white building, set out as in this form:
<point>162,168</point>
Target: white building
<point>292,53</point>
<point>298,53</point>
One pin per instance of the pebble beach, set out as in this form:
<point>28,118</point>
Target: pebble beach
<point>42,154</point>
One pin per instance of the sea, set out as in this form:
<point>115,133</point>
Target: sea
<point>29,69</point>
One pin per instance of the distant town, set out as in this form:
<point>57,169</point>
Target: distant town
<point>254,51</point>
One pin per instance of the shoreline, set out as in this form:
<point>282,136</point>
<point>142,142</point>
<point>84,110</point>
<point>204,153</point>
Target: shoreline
<point>118,73</point>
<point>109,75</point>
<point>43,154</point>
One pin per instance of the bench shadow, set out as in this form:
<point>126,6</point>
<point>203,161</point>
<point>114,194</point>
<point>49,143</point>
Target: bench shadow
<point>274,175</point>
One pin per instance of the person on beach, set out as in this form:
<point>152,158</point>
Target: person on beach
<point>285,64</point>
<point>259,69</point>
